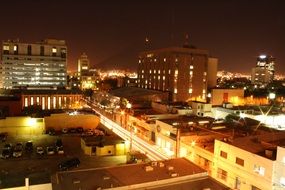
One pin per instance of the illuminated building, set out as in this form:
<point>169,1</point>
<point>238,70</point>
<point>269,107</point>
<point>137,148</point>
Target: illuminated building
<point>51,99</point>
<point>86,75</point>
<point>83,65</point>
<point>40,64</point>
<point>183,71</point>
<point>264,71</point>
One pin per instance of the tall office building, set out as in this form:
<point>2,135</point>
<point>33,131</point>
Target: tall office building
<point>264,71</point>
<point>83,65</point>
<point>37,65</point>
<point>183,71</point>
<point>88,77</point>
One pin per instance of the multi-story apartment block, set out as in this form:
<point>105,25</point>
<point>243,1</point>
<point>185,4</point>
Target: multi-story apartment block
<point>40,64</point>
<point>183,71</point>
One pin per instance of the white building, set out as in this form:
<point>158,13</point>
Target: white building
<point>40,64</point>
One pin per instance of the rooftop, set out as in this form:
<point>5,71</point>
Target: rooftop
<point>156,174</point>
<point>133,91</point>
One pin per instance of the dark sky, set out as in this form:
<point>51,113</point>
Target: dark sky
<point>112,33</point>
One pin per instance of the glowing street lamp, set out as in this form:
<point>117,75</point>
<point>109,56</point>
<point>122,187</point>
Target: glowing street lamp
<point>272,96</point>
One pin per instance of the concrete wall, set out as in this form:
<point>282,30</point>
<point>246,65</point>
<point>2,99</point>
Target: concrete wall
<point>59,121</point>
<point>22,125</point>
<point>219,96</point>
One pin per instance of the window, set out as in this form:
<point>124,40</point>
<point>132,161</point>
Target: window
<point>164,59</point>
<point>29,50</point>
<point>191,67</point>
<point>42,51</point>
<point>259,169</point>
<point>239,161</point>
<point>16,49</point>
<point>224,154</point>
<point>54,50</point>
<point>222,174</point>
<point>175,90</point>
<point>63,53</point>
<point>6,47</point>
<point>190,90</point>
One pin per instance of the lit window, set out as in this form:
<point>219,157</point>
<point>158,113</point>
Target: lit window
<point>15,48</point>
<point>158,71</point>
<point>142,71</point>
<point>205,73</point>
<point>175,90</point>
<point>145,81</point>
<point>140,61</point>
<point>164,59</point>
<point>154,71</point>
<point>154,60</point>
<point>6,47</point>
<point>190,90</point>
<point>158,77</point>
<point>204,91</point>
<point>32,101</point>
<point>26,102</point>
<point>176,72</point>
<point>259,170</point>
<point>191,67</point>
<point>54,50</point>
<point>150,71</point>
<point>43,103</point>
<point>191,72</point>
<point>48,103</point>
<point>176,60</point>
<point>163,78</point>
<point>169,71</point>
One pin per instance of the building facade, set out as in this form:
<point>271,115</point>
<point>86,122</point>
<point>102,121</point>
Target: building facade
<point>40,64</point>
<point>181,71</point>
<point>264,71</point>
<point>88,77</point>
<point>51,99</point>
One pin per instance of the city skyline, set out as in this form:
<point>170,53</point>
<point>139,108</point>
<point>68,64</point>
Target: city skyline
<point>112,34</point>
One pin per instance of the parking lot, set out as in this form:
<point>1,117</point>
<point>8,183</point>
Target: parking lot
<point>39,168</point>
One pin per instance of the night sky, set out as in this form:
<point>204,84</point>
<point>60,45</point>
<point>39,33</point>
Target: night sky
<point>112,33</point>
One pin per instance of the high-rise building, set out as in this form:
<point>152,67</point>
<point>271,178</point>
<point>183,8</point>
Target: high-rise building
<point>264,71</point>
<point>37,65</point>
<point>83,65</point>
<point>183,71</point>
<point>88,77</point>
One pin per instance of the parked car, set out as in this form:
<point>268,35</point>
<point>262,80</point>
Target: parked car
<point>79,129</point>
<point>8,146</point>
<point>60,150</point>
<point>64,130</point>
<point>72,130</point>
<point>3,136</point>
<point>6,153</point>
<point>18,150</point>
<point>50,131</point>
<point>29,146</point>
<point>58,143</point>
<point>50,150</point>
<point>40,150</point>
<point>65,165</point>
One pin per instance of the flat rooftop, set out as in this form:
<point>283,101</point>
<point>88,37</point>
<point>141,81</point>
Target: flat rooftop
<point>164,173</point>
<point>133,91</point>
